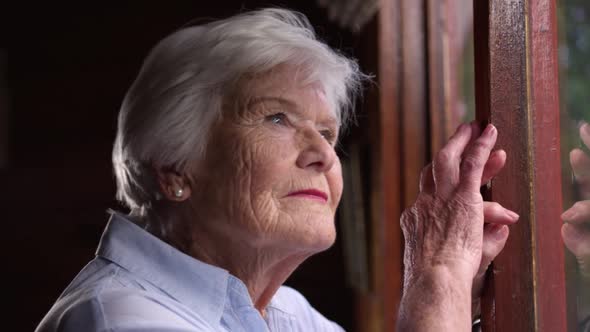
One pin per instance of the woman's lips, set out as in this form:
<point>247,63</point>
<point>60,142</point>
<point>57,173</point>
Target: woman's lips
<point>311,194</point>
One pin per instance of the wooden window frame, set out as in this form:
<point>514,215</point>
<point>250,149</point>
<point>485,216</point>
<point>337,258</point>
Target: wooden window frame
<point>517,90</point>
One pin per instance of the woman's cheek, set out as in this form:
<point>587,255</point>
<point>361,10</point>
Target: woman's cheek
<point>267,155</point>
<point>336,183</point>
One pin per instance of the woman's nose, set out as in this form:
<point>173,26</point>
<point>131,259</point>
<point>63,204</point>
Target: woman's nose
<point>316,153</point>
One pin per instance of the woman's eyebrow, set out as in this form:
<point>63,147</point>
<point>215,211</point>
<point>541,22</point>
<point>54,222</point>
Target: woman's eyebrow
<point>282,101</point>
<point>331,122</point>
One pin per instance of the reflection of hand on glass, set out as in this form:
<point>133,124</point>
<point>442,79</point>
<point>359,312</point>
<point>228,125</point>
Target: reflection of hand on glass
<point>576,229</point>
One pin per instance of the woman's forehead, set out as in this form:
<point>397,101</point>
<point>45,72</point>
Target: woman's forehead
<point>288,88</point>
<point>282,78</point>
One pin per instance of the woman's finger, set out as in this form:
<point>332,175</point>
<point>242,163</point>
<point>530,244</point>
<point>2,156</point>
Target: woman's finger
<point>427,180</point>
<point>577,239</point>
<point>475,130</point>
<point>585,134</point>
<point>494,239</point>
<point>446,163</point>
<point>580,162</point>
<point>494,213</point>
<point>579,213</point>
<point>475,158</point>
<point>494,165</point>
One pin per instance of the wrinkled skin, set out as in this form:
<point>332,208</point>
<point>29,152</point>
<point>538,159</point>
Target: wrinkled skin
<point>451,234</point>
<point>276,136</point>
<point>259,156</point>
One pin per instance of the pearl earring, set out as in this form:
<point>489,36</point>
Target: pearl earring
<point>178,192</point>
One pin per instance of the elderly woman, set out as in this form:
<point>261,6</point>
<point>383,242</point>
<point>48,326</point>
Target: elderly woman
<point>225,156</point>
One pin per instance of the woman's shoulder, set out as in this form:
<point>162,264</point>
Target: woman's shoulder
<point>286,295</point>
<point>289,301</point>
<point>106,297</point>
<point>120,309</point>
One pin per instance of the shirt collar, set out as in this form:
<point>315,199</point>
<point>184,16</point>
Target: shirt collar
<point>200,286</point>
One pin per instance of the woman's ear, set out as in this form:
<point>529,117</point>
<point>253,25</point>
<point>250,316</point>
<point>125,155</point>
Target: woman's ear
<point>173,185</point>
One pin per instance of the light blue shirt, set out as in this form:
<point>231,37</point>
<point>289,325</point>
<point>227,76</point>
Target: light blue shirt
<point>139,283</point>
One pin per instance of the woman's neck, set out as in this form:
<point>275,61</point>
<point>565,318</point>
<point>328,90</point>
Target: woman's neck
<point>263,270</point>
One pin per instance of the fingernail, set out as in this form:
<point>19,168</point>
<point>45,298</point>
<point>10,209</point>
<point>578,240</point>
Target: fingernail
<point>586,128</point>
<point>499,231</point>
<point>490,130</point>
<point>513,215</point>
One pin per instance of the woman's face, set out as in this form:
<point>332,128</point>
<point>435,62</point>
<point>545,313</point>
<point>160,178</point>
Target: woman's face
<point>271,176</point>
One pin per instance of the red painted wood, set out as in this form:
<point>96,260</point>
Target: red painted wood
<point>502,99</point>
<point>550,268</point>
<point>517,90</point>
<point>513,269</point>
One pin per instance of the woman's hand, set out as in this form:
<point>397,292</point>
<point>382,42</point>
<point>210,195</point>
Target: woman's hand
<point>451,234</point>
<point>576,229</point>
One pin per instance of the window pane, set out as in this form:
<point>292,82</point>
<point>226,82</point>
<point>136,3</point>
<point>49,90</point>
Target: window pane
<point>574,59</point>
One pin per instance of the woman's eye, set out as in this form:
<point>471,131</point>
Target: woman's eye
<point>328,135</point>
<point>279,118</point>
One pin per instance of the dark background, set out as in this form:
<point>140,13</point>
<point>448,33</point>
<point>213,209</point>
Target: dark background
<point>64,69</point>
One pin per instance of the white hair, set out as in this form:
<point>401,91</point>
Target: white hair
<point>166,115</point>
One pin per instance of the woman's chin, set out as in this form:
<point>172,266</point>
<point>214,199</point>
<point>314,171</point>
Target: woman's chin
<point>312,232</point>
<point>326,242</point>
<point>321,239</point>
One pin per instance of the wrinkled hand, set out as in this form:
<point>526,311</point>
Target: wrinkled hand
<point>450,225</point>
<point>576,229</point>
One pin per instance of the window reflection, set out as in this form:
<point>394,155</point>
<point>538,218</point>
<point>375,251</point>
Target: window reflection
<point>574,58</point>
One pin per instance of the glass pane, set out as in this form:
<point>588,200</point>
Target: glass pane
<point>574,59</point>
